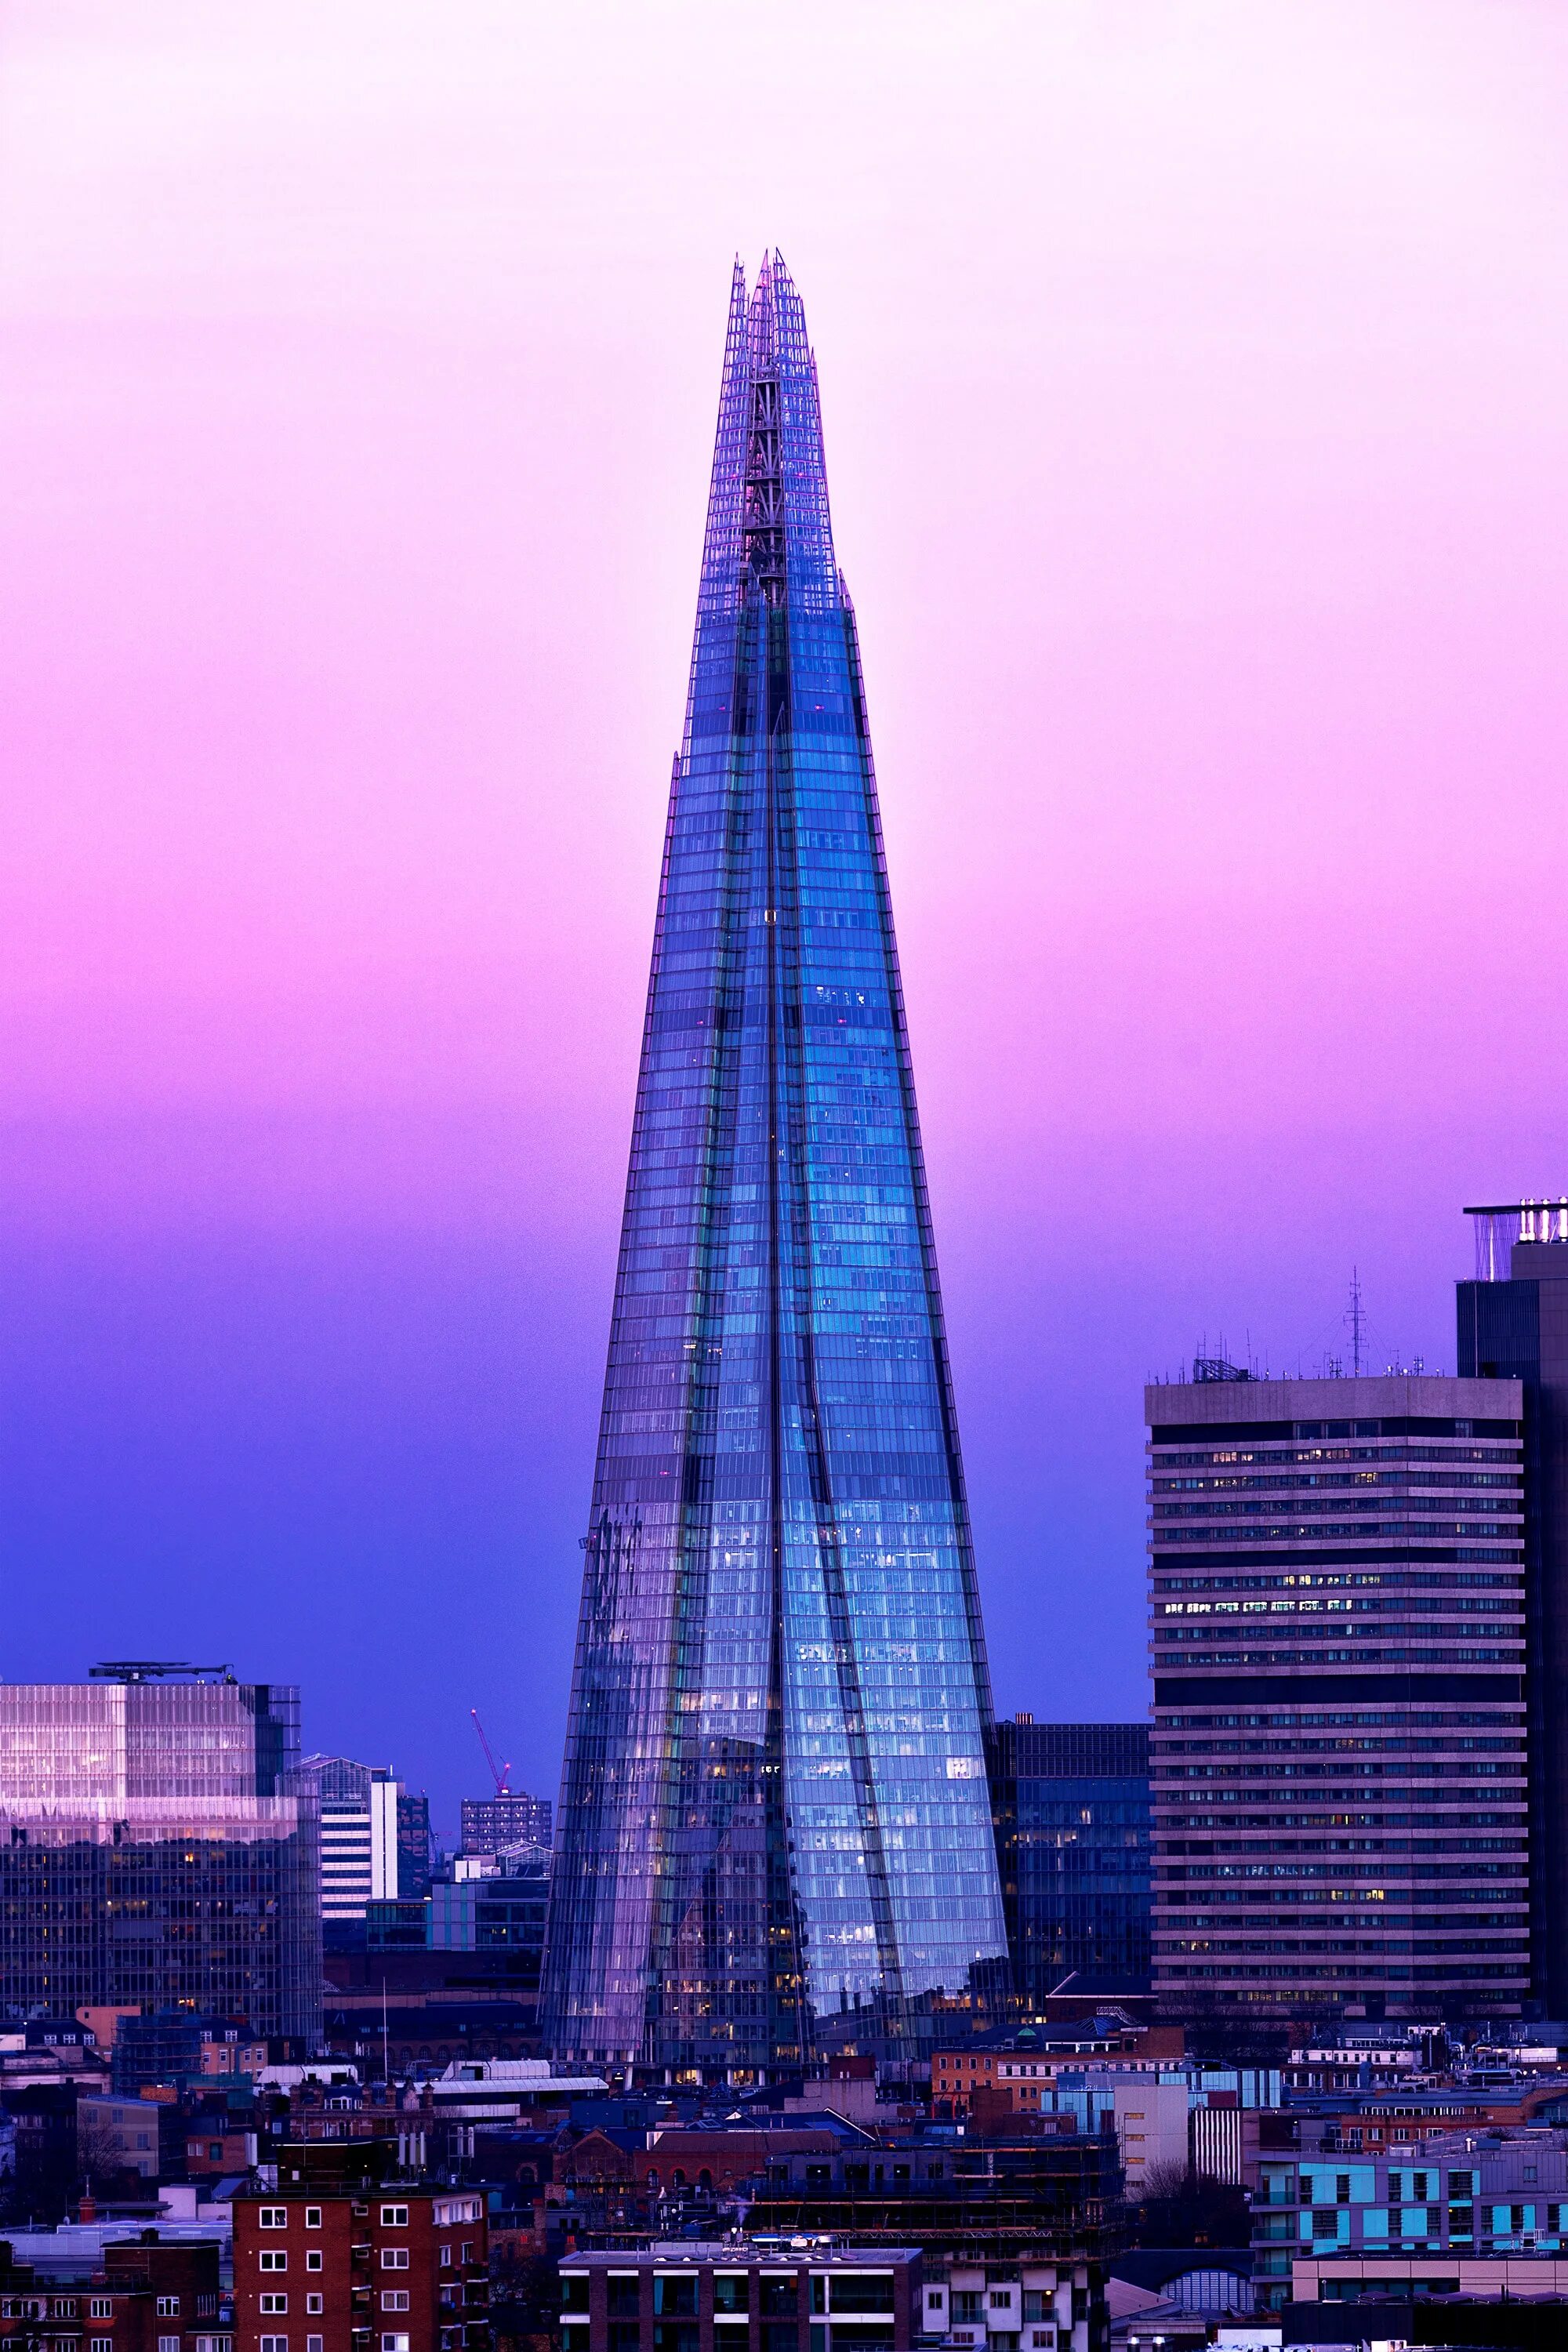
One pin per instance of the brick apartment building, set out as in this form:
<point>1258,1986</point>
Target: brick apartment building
<point>339,2260</point>
<point>149,2297</point>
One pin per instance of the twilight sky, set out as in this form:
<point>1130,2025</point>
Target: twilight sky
<point>1196,387</point>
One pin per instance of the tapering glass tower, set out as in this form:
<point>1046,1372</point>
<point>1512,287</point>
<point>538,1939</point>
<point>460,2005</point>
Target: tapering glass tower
<point>774,1806</point>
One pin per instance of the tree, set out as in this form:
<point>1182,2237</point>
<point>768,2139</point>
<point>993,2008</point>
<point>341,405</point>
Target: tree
<point>1181,2208</point>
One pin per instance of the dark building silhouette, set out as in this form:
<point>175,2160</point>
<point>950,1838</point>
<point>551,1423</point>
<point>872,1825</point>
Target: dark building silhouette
<point>1513,1325</point>
<point>1072,1834</point>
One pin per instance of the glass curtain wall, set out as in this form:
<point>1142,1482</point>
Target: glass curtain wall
<point>774,1807</point>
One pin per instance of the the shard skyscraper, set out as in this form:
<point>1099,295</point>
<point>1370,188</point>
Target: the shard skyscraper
<point>774,1805</point>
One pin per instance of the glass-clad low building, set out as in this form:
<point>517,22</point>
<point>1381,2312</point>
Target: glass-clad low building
<point>148,1855</point>
<point>1073,1838</point>
<point>774,1808</point>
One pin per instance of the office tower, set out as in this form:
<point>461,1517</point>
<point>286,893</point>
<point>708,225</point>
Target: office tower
<point>359,1815</point>
<point>1339,1750</point>
<point>150,1855</point>
<point>774,1805</point>
<point>1513,1325</point>
<point>1072,1838</point>
<point>510,1818</point>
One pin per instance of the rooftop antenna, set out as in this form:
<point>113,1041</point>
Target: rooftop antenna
<point>499,1773</point>
<point>1357,1322</point>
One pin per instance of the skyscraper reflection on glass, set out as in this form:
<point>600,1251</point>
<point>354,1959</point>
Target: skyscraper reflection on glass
<point>774,1806</point>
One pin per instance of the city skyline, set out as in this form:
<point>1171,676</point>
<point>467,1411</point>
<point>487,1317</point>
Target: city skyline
<point>1195,388</point>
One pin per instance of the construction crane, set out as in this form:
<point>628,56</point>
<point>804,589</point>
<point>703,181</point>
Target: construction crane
<point>499,1773</point>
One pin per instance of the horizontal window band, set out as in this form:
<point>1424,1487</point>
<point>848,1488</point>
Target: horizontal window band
<point>1335,1690</point>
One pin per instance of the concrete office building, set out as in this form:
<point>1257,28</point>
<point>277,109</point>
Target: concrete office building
<point>152,1856</point>
<point>511,1818</point>
<point>1513,1325</point>
<point>1338,1749</point>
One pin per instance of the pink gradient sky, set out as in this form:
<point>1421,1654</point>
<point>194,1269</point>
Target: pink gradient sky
<point>1195,386</point>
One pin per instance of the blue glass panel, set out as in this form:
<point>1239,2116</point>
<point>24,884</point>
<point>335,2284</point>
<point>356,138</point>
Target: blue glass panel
<point>774,1805</point>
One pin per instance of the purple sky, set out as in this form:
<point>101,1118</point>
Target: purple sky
<point>1196,397</point>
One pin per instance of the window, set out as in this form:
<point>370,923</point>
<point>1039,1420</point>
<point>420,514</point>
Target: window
<point>313,2344</point>
<point>446,2258</point>
<point>395,2344</point>
<point>394,2298</point>
<point>274,2343</point>
<point>103,2344</point>
<point>169,2305</point>
<point>312,2258</point>
<point>274,2216</point>
<point>214,2150</point>
<point>274,2304</point>
<point>394,2217</point>
<point>1000,2298</point>
<point>168,2344</point>
<point>270,2258</point>
<point>100,2307</point>
<point>312,2217</point>
<point>65,2307</point>
<point>314,2302</point>
<point>394,2257</point>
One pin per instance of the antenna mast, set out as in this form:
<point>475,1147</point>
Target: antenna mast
<point>1357,1323</point>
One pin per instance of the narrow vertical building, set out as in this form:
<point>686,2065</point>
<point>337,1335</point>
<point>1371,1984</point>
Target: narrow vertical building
<point>1513,1325</point>
<point>1339,1750</point>
<point>1072,1838</point>
<point>774,1807</point>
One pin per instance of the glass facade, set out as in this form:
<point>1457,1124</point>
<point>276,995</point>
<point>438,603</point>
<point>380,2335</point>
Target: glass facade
<point>775,1802</point>
<point>1072,1834</point>
<point>148,1855</point>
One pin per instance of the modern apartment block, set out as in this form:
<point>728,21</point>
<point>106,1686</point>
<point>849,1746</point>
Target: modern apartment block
<point>1513,1324</point>
<point>1072,1837</point>
<point>1455,2195</point>
<point>1339,1750</point>
<point>150,1854</point>
<point>490,1824</point>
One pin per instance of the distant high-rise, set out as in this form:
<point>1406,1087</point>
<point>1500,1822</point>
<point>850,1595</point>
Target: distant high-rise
<point>1513,1325</point>
<point>1339,1752</point>
<point>359,1815</point>
<point>1072,1835</point>
<point>774,1803</point>
<point>509,1818</point>
<point>150,1854</point>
